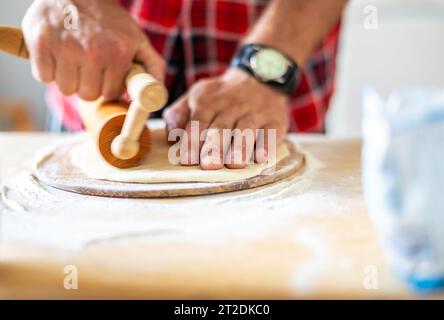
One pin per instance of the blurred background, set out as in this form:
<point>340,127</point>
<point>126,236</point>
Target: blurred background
<point>404,50</point>
<point>387,44</point>
<point>22,101</point>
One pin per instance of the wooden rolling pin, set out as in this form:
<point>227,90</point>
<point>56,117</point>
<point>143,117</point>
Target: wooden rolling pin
<point>120,131</point>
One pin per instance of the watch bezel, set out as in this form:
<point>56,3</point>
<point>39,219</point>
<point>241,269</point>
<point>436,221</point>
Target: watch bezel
<point>286,84</point>
<point>253,61</point>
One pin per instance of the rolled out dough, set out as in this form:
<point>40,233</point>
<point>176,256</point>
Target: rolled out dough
<point>156,167</point>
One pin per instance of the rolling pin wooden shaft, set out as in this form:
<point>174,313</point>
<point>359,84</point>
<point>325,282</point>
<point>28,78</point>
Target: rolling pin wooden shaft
<point>120,132</point>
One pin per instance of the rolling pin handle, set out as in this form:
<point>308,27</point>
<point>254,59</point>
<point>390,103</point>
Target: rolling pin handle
<point>126,144</point>
<point>147,95</point>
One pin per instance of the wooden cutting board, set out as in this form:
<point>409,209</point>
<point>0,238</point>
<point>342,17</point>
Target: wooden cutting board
<point>57,170</point>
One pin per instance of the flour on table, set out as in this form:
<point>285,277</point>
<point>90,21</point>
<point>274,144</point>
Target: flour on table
<point>156,167</point>
<point>34,213</point>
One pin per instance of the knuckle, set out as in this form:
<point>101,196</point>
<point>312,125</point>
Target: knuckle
<point>118,45</point>
<point>249,122</point>
<point>200,97</point>
<point>92,51</point>
<point>197,103</point>
<point>206,84</point>
<point>222,124</point>
<point>200,87</point>
<point>119,51</point>
<point>198,114</point>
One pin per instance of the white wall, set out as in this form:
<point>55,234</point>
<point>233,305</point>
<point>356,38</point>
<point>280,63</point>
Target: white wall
<point>406,50</point>
<point>15,74</point>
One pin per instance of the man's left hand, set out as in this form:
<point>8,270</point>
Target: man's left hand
<point>234,100</point>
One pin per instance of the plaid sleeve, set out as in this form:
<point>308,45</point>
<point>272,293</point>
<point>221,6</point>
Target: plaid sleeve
<point>198,39</point>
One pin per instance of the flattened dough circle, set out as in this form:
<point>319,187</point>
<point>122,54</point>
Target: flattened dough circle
<point>53,166</point>
<point>157,169</point>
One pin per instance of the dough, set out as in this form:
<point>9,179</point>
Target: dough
<point>156,167</point>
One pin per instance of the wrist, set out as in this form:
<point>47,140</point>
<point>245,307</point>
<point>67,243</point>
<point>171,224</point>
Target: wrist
<point>243,79</point>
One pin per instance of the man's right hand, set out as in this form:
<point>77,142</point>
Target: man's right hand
<point>88,52</point>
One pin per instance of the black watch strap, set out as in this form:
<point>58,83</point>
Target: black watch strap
<point>290,79</point>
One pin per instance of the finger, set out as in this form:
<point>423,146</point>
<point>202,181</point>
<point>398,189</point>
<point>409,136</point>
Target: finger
<point>67,77</point>
<point>195,130</point>
<point>268,138</point>
<point>244,137</point>
<point>190,145</point>
<point>152,61</point>
<point>90,85</point>
<point>113,83</point>
<point>204,104</point>
<point>177,115</point>
<point>42,60</point>
<point>195,134</point>
<point>176,118</point>
<point>218,140</point>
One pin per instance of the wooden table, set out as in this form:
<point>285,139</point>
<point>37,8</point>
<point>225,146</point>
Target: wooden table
<point>316,241</point>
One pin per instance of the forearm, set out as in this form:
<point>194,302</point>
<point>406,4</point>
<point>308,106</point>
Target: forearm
<point>296,26</point>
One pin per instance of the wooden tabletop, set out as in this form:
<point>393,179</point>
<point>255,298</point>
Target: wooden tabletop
<point>312,238</point>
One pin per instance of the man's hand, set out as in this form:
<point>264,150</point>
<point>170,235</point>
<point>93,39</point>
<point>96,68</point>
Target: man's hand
<point>91,54</point>
<point>237,100</point>
<point>233,100</point>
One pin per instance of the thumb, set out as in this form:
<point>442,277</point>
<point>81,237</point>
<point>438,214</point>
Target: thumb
<point>151,60</point>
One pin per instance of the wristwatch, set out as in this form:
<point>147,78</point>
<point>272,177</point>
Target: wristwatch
<point>269,66</point>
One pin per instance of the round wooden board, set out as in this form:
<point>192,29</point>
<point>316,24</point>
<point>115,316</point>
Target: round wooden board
<point>56,170</point>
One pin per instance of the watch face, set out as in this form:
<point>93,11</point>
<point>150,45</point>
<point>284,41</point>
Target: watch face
<point>269,64</point>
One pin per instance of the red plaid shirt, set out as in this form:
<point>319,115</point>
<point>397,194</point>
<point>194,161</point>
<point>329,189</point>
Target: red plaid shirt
<point>198,38</point>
